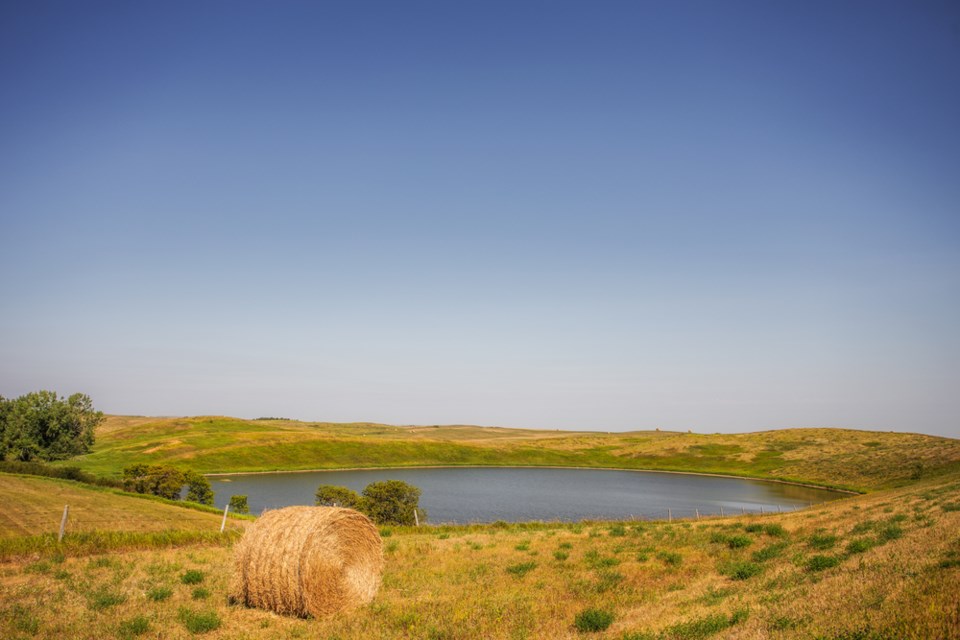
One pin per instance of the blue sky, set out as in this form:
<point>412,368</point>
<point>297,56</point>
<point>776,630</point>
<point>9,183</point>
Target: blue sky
<point>709,216</point>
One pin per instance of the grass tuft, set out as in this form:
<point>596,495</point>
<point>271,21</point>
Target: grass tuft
<point>593,620</point>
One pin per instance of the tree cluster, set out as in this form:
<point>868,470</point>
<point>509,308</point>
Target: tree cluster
<point>387,502</point>
<point>43,426</point>
<point>167,482</point>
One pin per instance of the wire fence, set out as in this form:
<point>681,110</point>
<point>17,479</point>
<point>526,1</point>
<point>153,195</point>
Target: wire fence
<point>71,519</point>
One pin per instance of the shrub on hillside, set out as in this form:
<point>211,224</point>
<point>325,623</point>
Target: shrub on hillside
<point>238,504</point>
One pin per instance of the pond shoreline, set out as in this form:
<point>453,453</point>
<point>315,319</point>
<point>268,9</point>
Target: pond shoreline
<point>501,466</point>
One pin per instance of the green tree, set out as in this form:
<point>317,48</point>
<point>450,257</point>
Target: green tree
<point>158,480</point>
<point>238,504</point>
<point>41,425</point>
<point>329,495</point>
<point>198,488</point>
<point>391,502</point>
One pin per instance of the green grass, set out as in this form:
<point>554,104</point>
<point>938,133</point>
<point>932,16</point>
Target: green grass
<point>192,577</point>
<point>89,542</point>
<point>700,628</point>
<point>136,626</point>
<point>741,570</point>
<point>159,594</point>
<point>593,620</point>
<point>199,621</point>
<point>521,569</point>
<point>822,562</point>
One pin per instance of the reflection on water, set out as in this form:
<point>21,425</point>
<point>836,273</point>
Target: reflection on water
<point>517,494</point>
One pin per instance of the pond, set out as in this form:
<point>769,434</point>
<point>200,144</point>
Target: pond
<point>486,494</point>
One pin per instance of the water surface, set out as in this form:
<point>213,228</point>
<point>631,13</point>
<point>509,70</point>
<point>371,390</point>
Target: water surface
<point>463,495</point>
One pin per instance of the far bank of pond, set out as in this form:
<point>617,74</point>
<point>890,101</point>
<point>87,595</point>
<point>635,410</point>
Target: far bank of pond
<point>517,494</point>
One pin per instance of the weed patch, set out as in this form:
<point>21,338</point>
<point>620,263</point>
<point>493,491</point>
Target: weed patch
<point>199,621</point>
<point>741,570</point>
<point>821,562</point>
<point>593,620</point>
<point>521,569</point>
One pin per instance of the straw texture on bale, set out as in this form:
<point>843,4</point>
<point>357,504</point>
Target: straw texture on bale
<point>308,560</point>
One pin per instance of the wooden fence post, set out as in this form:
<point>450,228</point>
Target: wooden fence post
<point>669,515</point>
<point>63,522</point>
<point>224,522</point>
<point>697,511</point>
<point>721,511</point>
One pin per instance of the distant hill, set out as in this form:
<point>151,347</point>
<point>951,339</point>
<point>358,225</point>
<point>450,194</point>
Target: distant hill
<point>842,458</point>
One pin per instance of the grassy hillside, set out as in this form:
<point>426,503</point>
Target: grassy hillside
<point>882,566</point>
<point>828,457</point>
<point>33,507</point>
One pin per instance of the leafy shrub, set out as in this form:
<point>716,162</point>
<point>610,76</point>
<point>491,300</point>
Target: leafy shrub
<point>561,555</point>
<point>42,425</point>
<point>756,527</point>
<point>329,495</point>
<point>199,621</point>
<point>775,530</point>
<point>618,530</point>
<point>670,558</point>
<point>239,504</point>
<point>521,569</point>
<point>200,594</point>
<point>820,562</point>
<point>192,577</point>
<point>593,620</point>
<point>36,468</point>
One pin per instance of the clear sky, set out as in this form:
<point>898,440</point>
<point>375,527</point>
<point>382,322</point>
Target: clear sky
<point>718,216</point>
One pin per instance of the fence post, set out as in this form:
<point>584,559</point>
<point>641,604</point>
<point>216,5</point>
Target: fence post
<point>669,515</point>
<point>721,511</point>
<point>63,522</point>
<point>416,518</point>
<point>778,509</point>
<point>224,522</point>
<point>697,511</point>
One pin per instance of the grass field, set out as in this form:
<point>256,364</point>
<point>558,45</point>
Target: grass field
<point>874,567</point>
<point>859,460</point>
<point>99,518</point>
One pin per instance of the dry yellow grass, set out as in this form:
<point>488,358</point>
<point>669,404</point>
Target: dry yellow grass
<point>33,505</point>
<point>896,575</point>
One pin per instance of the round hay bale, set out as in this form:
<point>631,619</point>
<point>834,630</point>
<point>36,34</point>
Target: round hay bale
<point>308,560</point>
